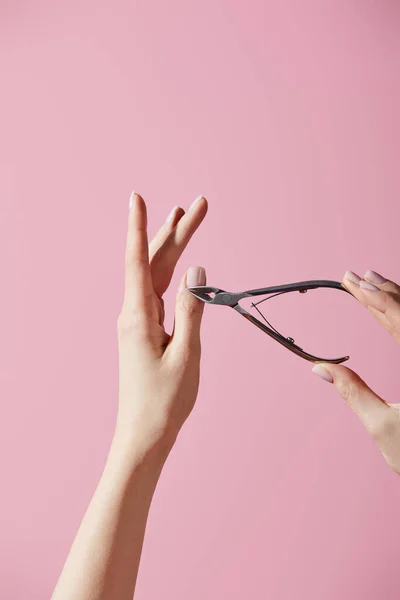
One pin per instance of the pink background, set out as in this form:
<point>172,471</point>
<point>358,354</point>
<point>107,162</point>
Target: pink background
<point>286,116</point>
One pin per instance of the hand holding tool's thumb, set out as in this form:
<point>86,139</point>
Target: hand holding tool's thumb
<point>381,420</point>
<point>367,405</point>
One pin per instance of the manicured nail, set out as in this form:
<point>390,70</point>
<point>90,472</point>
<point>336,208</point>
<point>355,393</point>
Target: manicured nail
<point>374,277</point>
<point>195,276</point>
<point>368,286</point>
<point>172,214</point>
<point>323,373</point>
<point>353,277</point>
<point>195,202</point>
<point>131,197</point>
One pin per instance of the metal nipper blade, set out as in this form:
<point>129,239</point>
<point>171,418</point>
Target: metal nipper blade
<point>202,292</point>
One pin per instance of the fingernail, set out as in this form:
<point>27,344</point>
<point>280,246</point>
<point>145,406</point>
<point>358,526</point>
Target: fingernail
<point>131,197</point>
<point>195,203</point>
<point>323,373</point>
<point>351,276</point>
<point>374,277</point>
<point>195,276</point>
<point>172,213</point>
<point>369,286</point>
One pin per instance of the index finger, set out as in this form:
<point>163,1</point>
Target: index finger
<point>386,303</point>
<point>382,299</point>
<point>381,282</point>
<point>138,282</point>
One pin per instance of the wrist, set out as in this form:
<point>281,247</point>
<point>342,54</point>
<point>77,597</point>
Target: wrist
<point>131,469</point>
<point>134,447</point>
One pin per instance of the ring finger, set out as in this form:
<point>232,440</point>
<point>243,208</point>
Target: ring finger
<point>165,230</point>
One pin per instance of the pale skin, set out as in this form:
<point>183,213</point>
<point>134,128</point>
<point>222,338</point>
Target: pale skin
<point>158,385</point>
<point>380,418</point>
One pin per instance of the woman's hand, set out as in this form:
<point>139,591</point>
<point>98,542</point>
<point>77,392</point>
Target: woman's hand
<point>159,373</point>
<point>381,419</point>
<point>159,377</point>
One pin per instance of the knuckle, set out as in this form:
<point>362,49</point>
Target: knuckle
<point>134,260</point>
<point>136,251</point>
<point>131,324</point>
<point>349,390</point>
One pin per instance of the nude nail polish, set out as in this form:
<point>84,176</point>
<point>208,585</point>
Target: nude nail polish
<point>195,276</point>
<point>195,202</point>
<point>131,199</point>
<point>172,214</point>
<point>374,277</point>
<point>366,285</point>
<point>323,373</point>
<point>353,277</point>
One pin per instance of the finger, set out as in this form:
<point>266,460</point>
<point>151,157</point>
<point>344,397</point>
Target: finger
<point>171,222</point>
<point>351,281</point>
<point>385,303</point>
<point>372,411</point>
<point>389,319</point>
<point>381,282</point>
<point>164,260</point>
<point>381,420</point>
<point>185,338</point>
<point>138,284</point>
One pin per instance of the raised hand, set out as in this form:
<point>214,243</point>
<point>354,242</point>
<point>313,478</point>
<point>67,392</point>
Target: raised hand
<point>159,373</point>
<point>158,383</point>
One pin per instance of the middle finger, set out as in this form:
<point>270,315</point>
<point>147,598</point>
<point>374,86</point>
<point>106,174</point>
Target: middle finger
<point>165,230</point>
<point>166,256</point>
<point>351,282</point>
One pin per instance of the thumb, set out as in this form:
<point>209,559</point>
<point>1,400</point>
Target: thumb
<point>188,311</point>
<point>373,411</point>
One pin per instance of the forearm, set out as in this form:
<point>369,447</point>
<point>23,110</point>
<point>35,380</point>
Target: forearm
<point>104,558</point>
<point>158,383</point>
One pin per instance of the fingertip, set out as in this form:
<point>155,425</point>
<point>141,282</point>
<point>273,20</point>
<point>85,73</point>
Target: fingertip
<point>204,204</point>
<point>351,277</point>
<point>195,276</point>
<point>323,372</point>
<point>134,198</point>
<point>137,211</point>
<point>200,206</point>
<point>131,199</point>
<point>175,216</point>
<point>375,277</point>
<point>172,214</point>
<point>332,372</point>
